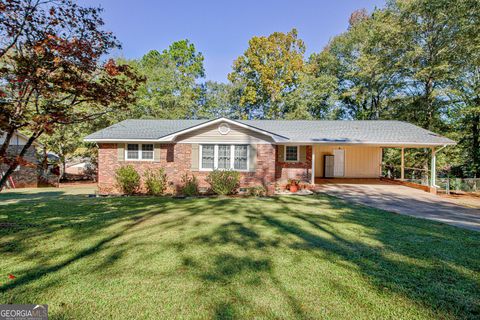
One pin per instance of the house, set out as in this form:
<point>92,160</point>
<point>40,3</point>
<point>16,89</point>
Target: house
<point>266,152</point>
<point>30,172</point>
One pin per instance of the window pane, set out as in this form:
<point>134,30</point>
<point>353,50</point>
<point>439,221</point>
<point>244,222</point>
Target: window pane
<point>132,151</point>
<point>208,152</point>
<point>147,147</point>
<point>147,151</point>
<point>224,156</point>
<point>240,160</point>
<point>291,153</point>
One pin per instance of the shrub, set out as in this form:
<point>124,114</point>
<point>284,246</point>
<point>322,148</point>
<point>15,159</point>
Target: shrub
<point>190,185</point>
<point>223,182</point>
<point>155,181</point>
<point>128,179</point>
<point>257,191</point>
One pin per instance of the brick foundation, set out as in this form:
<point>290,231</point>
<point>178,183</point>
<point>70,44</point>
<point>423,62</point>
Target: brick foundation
<point>176,160</point>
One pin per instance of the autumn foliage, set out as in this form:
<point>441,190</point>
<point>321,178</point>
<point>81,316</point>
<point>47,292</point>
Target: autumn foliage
<point>51,69</point>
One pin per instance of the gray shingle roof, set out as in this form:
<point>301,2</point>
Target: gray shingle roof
<point>322,131</point>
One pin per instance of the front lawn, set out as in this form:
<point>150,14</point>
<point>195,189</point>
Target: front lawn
<point>290,257</point>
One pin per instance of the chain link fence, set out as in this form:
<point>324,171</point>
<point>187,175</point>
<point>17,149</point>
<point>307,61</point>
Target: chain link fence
<point>421,176</point>
<point>459,184</point>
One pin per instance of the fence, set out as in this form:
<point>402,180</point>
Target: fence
<point>457,184</point>
<point>421,176</point>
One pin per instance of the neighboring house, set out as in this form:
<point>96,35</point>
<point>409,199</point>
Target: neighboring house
<point>29,173</point>
<point>80,169</point>
<point>266,152</point>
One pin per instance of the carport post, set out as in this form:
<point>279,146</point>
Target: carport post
<point>402,169</point>
<point>433,169</point>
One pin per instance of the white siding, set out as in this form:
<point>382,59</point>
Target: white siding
<point>237,134</point>
<point>15,141</point>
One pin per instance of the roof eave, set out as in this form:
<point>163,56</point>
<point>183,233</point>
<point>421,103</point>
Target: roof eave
<point>375,143</point>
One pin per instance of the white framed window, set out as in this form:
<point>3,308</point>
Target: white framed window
<point>208,156</point>
<point>224,157</point>
<point>291,153</point>
<point>147,151</point>
<point>240,160</point>
<point>136,151</point>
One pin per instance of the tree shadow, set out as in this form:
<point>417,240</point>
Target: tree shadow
<point>429,281</point>
<point>223,243</point>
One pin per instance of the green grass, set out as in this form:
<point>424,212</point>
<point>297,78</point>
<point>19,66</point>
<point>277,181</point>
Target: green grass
<point>275,258</point>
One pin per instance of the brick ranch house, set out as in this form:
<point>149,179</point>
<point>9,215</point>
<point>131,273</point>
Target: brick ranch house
<point>265,152</point>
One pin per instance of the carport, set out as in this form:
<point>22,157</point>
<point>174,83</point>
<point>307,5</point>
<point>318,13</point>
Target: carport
<point>356,150</point>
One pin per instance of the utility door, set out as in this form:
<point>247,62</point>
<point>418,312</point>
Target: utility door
<point>339,163</point>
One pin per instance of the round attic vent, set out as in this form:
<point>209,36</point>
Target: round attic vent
<point>224,128</point>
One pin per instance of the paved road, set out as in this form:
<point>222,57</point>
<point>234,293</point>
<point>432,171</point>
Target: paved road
<point>406,200</point>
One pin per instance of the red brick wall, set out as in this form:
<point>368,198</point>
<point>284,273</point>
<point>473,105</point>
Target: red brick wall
<point>294,170</point>
<point>176,160</point>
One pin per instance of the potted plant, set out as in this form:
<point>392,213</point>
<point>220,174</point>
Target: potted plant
<point>293,185</point>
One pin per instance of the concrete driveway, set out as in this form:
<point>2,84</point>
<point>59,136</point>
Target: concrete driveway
<point>404,200</point>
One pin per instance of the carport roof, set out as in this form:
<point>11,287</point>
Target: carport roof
<point>377,132</point>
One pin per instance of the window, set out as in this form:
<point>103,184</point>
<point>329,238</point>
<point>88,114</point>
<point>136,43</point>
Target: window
<point>291,153</point>
<point>241,158</point>
<point>208,156</point>
<point>132,151</point>
<point>139,152</point>
<point>147,151</point>
<point>224,156</point>
<point>224,152</point>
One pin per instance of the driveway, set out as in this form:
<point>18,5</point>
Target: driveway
<point>405,200</point>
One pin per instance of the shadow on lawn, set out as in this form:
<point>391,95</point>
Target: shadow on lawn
<point>437,281</point>
<point>84,218</point>
<point>434,279</point>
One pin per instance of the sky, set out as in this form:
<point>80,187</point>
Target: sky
<point>221,29</point>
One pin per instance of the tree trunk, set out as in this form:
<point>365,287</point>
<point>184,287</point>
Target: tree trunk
<point>64,167</point>
<point>429,103</point>
<point>6,143</point>
<point>15,162</point>
<point>476,144</point>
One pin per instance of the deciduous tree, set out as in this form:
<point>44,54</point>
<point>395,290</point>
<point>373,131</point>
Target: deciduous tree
<point>51,71</point>
<point>269,68</point>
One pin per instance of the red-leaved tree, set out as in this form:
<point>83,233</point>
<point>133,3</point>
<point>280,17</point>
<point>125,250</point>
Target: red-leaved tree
<point>51,70</point>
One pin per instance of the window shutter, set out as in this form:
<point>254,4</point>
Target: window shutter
<point>281,153</point>
<point>121,151</point>
<point>156,152</point>
<point>195,157</point>
<point>252,161</point>
<point>303,153</point>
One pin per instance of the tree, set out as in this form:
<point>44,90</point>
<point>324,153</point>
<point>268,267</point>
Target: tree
<point>51,73</point>
<point>218,100</point>
<point>463,89</point>
<point>315,96</point>
<point>365,62</point>
<point>170,90</point>
<point>269,68</point>
<point>66,141</point>
<point>430,44</point>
